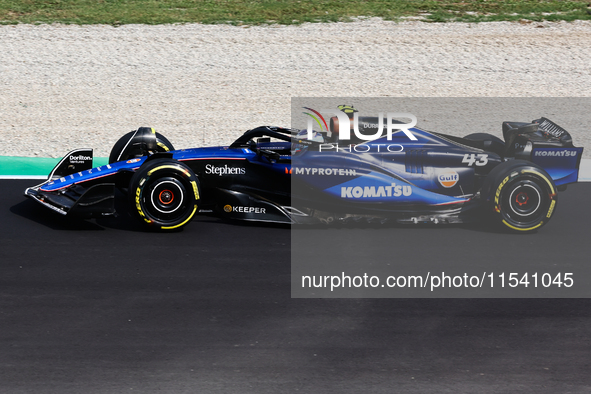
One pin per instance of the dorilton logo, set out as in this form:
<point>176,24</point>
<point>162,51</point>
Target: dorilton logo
<point>560,153</point>
<point>241,209</point>
<point>79,159</point>
<point>324,171</point>
<point>448,178</point>
<point>373,192</point>
<point>225,170</point>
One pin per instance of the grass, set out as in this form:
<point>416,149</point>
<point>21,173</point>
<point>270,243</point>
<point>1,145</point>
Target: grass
<point>255,12</point>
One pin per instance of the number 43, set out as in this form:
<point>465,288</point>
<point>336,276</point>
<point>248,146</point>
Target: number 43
<point>475,159</point>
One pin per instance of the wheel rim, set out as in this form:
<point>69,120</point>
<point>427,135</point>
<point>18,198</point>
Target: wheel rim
<point>166,199</point>
<point>525,201</point>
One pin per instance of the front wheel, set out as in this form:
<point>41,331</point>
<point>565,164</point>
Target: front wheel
<point>164,194</point>
<point>522,196</point>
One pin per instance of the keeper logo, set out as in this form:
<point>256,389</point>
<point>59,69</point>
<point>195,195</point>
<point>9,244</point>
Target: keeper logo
<point>241,209</point>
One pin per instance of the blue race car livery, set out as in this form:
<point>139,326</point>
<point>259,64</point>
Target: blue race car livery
<point>280,175</point>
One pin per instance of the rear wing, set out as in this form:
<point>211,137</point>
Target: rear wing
<point>546,144</point>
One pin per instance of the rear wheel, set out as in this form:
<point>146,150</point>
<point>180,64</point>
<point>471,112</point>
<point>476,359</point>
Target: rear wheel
<point>522,196</point>
<point>164,194</point>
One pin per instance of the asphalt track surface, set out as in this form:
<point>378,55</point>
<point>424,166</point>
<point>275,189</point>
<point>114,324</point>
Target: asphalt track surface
<point>102,307</point>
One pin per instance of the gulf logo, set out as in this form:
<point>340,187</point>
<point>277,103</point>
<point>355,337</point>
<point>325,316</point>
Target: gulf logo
<point>448,178</point>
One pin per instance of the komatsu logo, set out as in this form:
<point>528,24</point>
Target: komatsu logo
<point>324,171</point>
<point>79,159</point>
<point>373,191</point>
<point>555,153</point>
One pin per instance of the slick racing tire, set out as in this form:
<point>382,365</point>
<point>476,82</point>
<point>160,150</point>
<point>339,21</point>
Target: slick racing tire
<point>164,194</point>
<point>163,145</point>
<point>521,196</point>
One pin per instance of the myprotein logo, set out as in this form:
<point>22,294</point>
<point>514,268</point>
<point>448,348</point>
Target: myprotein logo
<point>555,153</point>
<point>393,190</point>
<point>345,133</point>
<point>79,159</point>
<point>225,170</point>
<point>324,171</point>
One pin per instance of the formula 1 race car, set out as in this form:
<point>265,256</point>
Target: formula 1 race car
<point>273,174</point>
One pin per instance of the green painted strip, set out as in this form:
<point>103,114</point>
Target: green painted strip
<point>34,166</point>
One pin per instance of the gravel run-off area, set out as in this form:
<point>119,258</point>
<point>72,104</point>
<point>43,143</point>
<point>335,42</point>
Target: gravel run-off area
<point>69,86</point>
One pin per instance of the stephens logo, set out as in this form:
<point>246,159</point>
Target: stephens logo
<point>241,209</point>
<point>373,192</point>
<point>448,178</point>
<point>225,170</point>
